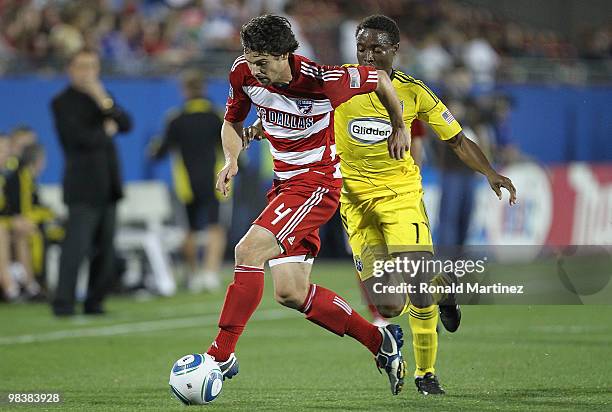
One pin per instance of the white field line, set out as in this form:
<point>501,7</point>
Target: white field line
<point>139,327</point>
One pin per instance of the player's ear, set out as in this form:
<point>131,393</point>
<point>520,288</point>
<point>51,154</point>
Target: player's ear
<point>395,48</point>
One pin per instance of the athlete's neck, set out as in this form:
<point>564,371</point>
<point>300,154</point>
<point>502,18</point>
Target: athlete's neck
<point>285,76</point>
<point>389,70</point>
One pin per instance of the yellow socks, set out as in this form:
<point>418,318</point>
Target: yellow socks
<point>423,322</point>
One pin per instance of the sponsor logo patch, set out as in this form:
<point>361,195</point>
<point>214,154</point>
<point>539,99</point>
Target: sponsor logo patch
<point>369,130</point>
<point>355,78</point>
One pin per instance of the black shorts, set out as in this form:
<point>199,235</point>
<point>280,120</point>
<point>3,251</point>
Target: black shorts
<point>201,213</point>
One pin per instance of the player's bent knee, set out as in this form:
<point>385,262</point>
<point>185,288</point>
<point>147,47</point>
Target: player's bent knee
<point>292,296</point>
<point>289,299</point>
<point>241,250</point>
<point>245,251</point>
<point>389,311</point>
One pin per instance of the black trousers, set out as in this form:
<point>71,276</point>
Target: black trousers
<point>89,233</point>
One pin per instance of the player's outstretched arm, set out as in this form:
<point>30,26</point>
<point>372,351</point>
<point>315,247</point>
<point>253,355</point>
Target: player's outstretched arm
<point>399,141</point>
<point>472,156</point>
<point>232,146</point>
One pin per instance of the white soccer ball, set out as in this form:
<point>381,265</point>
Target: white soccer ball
<point>196,379</point>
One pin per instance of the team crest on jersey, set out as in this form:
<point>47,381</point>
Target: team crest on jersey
<point>358,264</point>
<point>304,105</point>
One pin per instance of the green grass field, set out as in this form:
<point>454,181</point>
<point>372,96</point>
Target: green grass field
<point>513,358</point>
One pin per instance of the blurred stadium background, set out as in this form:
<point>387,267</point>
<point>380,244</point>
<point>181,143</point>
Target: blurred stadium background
<point>531,79</point>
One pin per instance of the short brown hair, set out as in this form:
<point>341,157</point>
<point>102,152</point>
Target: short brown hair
<point>193,81</point>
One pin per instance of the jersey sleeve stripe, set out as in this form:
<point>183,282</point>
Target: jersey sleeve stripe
<point>317,71</point>
<point>326,76</point>
<point>238,62</point>
<point>320,69</point>
<point>407,79</point>
<point>308,73</point>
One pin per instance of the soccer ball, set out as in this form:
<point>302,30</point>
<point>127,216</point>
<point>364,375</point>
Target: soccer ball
<point>196,379</point>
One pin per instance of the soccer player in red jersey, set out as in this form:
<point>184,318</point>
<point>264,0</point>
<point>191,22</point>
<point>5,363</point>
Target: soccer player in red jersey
<point>295,99</point>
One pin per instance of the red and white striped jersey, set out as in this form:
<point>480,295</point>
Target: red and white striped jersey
<point>298,120</point>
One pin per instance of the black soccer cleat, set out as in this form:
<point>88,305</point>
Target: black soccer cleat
<point>428,385</point>
<point>450,312</point>
<point>450,316</point>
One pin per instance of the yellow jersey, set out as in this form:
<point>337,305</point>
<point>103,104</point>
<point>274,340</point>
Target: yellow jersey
<point>362,126</point>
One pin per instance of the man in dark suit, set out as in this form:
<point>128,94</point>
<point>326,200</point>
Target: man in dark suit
<point>87,119</point>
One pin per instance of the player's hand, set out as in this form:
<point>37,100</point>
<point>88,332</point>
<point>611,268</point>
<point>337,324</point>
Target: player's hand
<point>23,225</point>
<point>225,177</point>
<point>497,181</point>
<point>398,143</point>
<point>253,132</point>
<point>110,127</point>
<point>96,90</point>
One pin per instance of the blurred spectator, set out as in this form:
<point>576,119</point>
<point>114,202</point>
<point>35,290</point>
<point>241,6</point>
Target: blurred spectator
<point>417,133</point>
<point>65,37</point>
<point>434,60</point>
<point>292,13</point>
<point>220,29</point>
<point>597,44</point>
<point>505,152</point>
<point>21,137</point>
<point>132,33</point>
<point>8,286</point>
<point>154,42</point>
<point>194,134</point>
<point>481,59</point>
<point>347,29</point>
<point>26,214</point>
<point>87,119</point>
<point>457,182</point>
<point>459,82</point>
<point>124,45</point>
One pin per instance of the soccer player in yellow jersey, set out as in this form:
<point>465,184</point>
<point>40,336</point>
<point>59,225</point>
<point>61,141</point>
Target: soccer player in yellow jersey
<point>382,198</point>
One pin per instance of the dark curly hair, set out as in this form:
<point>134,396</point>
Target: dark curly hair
<point>268,34</point>
<point>382,23</point>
